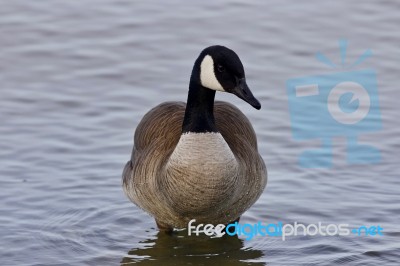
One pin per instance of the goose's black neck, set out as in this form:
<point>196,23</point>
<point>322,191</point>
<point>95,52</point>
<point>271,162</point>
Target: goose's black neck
<point>199,114</point>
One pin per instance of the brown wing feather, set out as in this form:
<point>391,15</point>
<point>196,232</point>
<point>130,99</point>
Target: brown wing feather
<point>163,123</point>
<point>233,124</point>
<point>158,131</point>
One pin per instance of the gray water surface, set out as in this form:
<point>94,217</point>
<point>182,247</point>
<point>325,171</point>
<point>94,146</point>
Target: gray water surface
<point>77,76</point>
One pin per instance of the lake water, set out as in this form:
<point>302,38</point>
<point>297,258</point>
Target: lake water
<point>77,76</point>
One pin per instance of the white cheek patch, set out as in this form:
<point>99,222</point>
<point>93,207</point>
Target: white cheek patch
<point>207,74</point>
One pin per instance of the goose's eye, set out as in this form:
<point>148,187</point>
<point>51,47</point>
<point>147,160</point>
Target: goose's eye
<point>221,68</point>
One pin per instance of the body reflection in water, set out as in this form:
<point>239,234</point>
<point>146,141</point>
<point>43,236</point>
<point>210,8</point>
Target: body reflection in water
<point>180,249</point>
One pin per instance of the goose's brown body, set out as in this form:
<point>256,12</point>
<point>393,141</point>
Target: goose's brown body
<point>174,196</point>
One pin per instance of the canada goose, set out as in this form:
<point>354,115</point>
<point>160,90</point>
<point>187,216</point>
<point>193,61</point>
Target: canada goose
<point>198,160</point>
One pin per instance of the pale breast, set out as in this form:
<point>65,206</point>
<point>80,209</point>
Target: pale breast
<point>206,153</point>
<point>201,170</point>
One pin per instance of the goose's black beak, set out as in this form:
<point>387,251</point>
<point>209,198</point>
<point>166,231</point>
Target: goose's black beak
<point>243,92</point>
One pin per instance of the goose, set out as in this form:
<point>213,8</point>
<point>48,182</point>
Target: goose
<point>198,160</point>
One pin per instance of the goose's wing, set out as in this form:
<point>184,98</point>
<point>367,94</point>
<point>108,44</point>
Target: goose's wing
<point>163,122</point>
<point>241,138</point>
<point>234,126</point>
<point>156,135</point>
<point>159,131</point>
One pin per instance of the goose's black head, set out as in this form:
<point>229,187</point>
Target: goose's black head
<point>219,68</point>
